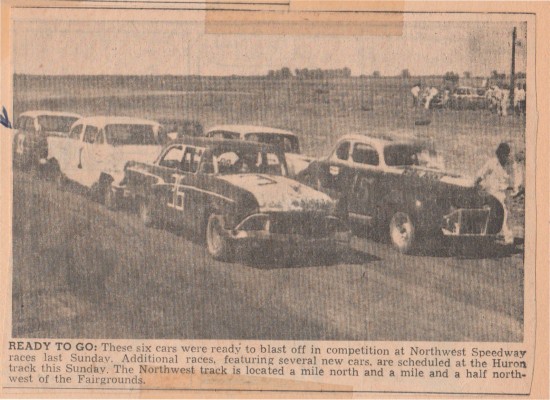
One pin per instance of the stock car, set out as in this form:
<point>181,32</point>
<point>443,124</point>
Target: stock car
<point>469,98</point>
<point>399,187</point>
<point>97,148</point>
<point>232,192</point>
<point>30,144</point>
<point>296,162</point>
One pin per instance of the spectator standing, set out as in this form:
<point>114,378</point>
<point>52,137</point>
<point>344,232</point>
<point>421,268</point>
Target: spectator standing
<point>496,178</point>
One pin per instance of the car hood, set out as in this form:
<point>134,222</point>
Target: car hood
<point>277,193</point>
<point>296,163</point>
<point>437,175</point>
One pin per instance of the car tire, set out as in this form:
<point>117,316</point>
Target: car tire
<point>218,246</point>
<point>402,232</point>
<point>146,212</point>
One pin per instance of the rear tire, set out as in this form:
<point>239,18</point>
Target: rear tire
<point>402,232</point>
<point>217,244</point>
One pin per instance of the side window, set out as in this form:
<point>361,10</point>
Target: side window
<point>172,157</point>
<point>22,123</point>
<point>342,152</point>
<point>75,132</point>
<point>90,134</point>
<point>191,159</point>
<point>365,154</point>
<point>26,123</point>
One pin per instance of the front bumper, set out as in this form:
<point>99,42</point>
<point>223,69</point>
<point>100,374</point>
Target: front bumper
<point>261,237</point>
<point>331,231</point>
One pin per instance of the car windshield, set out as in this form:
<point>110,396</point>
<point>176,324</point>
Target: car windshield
<point>223,135</point>
<point>250,161</point>
<point>407,155</point>
<point>52,123</point>
<point>288,142</point>
<point>130,134</point>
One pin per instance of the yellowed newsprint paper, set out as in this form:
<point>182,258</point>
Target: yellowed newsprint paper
<point>274,199</point>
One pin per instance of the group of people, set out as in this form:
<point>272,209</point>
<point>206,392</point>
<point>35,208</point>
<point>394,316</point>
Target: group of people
<point>498,99</point>
<point>422,97</point>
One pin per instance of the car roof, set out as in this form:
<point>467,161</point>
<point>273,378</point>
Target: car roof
<point>102,120</point>
<point>38,113</point>
<point>243,129</point>
<point>228,144</point>
<point>379,140</point>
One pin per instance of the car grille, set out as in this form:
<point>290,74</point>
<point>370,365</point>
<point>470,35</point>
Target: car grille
<point>465,221</point>
<point>311,225</point>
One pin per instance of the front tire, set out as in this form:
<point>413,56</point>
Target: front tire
<point>217,244</point>
<point>402,232</point>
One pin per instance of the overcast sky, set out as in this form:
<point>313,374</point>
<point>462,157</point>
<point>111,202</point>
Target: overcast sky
<point>180,48</point>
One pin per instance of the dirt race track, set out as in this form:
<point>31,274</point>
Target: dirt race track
<point>81,270</point>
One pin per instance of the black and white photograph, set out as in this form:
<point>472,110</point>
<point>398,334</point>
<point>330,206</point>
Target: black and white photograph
<point>173,183</point>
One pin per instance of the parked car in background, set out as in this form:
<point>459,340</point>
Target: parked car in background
<point>397,187</point>
<point>232,192</point>
<point>30,143</point>
<point>286,139</point>
<point>97,148</point>
<point>468,98</point>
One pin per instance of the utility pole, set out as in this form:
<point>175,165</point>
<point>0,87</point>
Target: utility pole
<point>513,69</point>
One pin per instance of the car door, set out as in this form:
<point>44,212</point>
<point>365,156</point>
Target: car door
<point>168,197</point>
<point>100,155</point>
<point>365,160</point>
<point>185,195</point>
<point>86,172</point>
<point>25,127</point>
<point>63,149</point>
<point>335,173</point>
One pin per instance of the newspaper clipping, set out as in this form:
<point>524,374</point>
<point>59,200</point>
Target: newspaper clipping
<point>265,199</point>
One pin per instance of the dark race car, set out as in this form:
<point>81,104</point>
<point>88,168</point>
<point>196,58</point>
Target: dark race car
<point>229,192</point>
<point>399,187</point>
<point>30,143</point>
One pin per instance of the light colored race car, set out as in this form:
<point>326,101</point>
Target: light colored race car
<point>30,143</point>
<point>97,148</point>
<point>285,139</point>
<point>468,98</point>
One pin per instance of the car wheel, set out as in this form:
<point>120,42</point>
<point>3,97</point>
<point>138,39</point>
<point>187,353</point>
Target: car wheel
<point>218,246</point>
<point>402,232</point>
<point>146,213</point>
